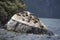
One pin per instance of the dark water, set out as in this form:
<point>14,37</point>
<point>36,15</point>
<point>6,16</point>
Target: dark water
<point>52,24</point>
<point>44,8</point>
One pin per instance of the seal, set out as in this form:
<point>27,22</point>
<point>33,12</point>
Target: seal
<point>29,19</point>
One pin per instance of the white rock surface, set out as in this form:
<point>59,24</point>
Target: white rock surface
<point>25,22</point>
<point>24,17</point>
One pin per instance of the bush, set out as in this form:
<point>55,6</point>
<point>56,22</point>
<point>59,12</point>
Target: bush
<point>8,8</point>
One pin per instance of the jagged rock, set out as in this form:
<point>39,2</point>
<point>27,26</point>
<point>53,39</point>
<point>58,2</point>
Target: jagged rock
<point>25,22</point>
<point>8,8</point>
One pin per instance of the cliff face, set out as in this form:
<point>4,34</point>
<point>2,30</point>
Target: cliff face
<point>8,8</point>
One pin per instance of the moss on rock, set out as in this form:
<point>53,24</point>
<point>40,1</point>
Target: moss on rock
<point>8,8</point>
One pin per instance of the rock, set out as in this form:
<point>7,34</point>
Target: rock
<point>28,25</point>
<point>8,8</point>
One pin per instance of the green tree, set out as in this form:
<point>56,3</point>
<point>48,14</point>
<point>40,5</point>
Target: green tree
<point>8,8</point>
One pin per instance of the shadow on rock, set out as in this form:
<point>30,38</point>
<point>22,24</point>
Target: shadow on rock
<point>40,31</point>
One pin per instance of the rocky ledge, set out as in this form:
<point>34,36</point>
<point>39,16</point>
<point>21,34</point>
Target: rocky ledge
<point>16,24</point>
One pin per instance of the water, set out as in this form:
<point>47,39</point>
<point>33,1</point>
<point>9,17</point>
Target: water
<point>52,24</point>
<point>44,8</point>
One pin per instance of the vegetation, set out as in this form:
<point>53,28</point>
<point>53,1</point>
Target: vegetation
<point>8,8</point>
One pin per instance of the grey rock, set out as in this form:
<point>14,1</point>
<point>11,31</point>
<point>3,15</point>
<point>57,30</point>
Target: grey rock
<point>20,26</point>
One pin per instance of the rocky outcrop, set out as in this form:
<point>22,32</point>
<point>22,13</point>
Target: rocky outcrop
<point>8,8</point>
<point>17,24</point>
